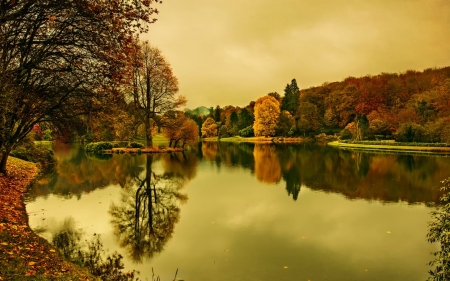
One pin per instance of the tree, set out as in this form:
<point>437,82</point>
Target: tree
<point>217,116</point>
<point>308,119</point>
<point>155,87</point>
<point>362,127</point>
<point>276,96</point>
<point>180,128</point>
<point>285,124</point>
<point>411,132</point>
<point>267,113</point>
<point>291,99</point>
<point>60,60</point>
<point>438,231</point>
<point>209,128</point>
<point>231,123</point>
<point>245,119</point>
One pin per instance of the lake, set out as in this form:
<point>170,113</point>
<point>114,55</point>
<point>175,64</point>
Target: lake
<point>226,211</point>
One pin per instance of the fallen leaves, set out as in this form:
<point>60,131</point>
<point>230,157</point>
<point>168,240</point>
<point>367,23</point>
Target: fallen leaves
<point>22,252</point>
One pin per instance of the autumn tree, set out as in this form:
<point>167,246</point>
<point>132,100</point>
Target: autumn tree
<point>308,118</point>
<point>209,128</point>
<point>155,87</point>
<point>267,113</point>
<point>286,123</point>
<point>179,128</point>
<point>60,60</point>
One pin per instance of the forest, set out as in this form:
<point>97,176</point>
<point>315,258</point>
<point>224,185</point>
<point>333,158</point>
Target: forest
<point>412,106</point>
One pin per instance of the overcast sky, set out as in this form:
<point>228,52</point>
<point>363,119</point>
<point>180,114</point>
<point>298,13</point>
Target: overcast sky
<point>230,52</point>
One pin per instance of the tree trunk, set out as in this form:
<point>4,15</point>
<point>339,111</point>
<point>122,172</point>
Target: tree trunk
<point>3,162</point>
<point>148,133</point>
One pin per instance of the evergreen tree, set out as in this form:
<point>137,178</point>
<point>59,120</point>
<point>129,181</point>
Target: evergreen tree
<point>217,114</point>
<point>291,99</point>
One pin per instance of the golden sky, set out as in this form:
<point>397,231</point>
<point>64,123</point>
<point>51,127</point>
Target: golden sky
<point>231,52</point>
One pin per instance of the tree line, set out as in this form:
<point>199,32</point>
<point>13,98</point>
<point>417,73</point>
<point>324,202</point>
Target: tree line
<point>412,106</point>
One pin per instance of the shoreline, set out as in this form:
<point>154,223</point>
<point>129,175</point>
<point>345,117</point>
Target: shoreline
<point>24,254</point>
<point>259,139</point>
<point>387,147</point>
<point>144,150</point>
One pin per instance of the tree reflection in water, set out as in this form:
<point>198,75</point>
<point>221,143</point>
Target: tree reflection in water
<point>355,174</point>
<point>145,218</point>
<point>91,254</point>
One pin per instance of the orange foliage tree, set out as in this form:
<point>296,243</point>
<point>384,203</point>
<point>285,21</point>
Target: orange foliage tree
<point>178,128</point>
<point>267,113</point>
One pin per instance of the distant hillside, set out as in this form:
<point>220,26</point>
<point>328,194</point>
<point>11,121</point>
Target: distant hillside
<point>199,111</point>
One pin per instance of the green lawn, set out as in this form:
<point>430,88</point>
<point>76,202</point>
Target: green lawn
<point>390,147</point>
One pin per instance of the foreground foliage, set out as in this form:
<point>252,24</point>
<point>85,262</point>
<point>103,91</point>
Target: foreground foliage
<point>439,231</point>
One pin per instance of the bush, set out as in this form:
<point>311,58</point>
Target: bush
<point>98,147</point>
<point>40,154</point>
<point>411,132</point>
<point>135,145</point>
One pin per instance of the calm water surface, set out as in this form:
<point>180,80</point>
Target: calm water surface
<point>249,212</point>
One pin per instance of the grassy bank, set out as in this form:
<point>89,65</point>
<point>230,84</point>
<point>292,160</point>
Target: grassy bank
<point>391,147</point>
<point>23,254</point>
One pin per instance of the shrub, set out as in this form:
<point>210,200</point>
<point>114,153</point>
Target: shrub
<point>40,154</point>
<point>135,145</point>
<point>98,147</point>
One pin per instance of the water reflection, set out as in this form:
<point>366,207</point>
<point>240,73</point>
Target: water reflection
<point>77,172</point>
<point>355,174</point>
<point>145,218</point>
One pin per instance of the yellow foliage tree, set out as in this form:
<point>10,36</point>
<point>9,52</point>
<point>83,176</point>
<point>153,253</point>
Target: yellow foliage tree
<point>209,128</point>
<point>267,113</point>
